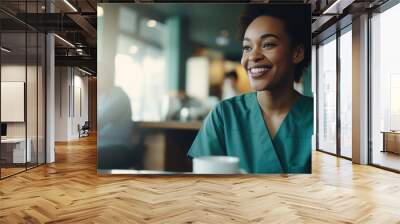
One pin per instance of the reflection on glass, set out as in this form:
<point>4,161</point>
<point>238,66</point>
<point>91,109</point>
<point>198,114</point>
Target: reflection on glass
<point>346,94</point>
<point>327,97</point>
<point>385,86</point>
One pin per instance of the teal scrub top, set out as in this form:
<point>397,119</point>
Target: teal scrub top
<point>236,127</point>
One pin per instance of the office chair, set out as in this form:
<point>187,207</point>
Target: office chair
<point>84,130</point>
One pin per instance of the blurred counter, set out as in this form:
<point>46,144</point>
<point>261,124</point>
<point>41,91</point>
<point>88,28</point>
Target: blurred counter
<point>167,144</point>
<point>178,125</point>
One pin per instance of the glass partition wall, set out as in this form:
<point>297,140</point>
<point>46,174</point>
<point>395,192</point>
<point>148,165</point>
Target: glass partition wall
<point>385,89</point>
<point>13,109</point>
<point>334,109</point>
<point>22,77</point>
<point>334,104</point>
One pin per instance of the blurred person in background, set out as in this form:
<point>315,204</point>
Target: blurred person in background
<point>230,85</point>
<point>118,146</point>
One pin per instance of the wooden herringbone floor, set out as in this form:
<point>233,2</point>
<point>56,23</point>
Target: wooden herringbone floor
<point>70,191</point>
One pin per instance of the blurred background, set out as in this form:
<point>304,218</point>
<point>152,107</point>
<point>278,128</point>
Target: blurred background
<point>161,69</point>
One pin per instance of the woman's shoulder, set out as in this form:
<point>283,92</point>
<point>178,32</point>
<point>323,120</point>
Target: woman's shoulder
<point>234,112</point>
<point>241,102</point>
<point>234,107</point>
<point>303,111</point>
<point>304,104</point>
<point>307,102</point>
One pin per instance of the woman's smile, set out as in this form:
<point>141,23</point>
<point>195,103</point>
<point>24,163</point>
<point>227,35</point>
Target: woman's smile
<point>258,71</point>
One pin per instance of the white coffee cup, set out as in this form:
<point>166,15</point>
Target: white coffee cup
<point>216,165</point>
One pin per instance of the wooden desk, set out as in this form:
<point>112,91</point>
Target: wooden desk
<point>391,141</point>
<point>178,137</point>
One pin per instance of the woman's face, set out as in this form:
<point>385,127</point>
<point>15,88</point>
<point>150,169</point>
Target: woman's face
<point>268,56</point>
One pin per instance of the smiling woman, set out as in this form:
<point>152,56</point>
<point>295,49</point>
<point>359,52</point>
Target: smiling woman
<point>270,129</point>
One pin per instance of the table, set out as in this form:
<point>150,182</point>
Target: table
<point>13,150</point>
<point>391,141</point>
<point>178,137</point>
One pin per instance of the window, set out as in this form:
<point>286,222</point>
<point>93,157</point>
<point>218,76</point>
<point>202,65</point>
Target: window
<point>385,88</point>
<point>140,68</point>
<point>327,96</point>
<point>346,93</point>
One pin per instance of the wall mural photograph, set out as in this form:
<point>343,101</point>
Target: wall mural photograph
<point>184,88</point>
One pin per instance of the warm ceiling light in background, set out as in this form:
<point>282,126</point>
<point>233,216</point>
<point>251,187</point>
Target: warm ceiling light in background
<point>65,41</point>
<point>100,11</point>
<point>70,5</point>
<point>5,50</point>
<point>151,23</point>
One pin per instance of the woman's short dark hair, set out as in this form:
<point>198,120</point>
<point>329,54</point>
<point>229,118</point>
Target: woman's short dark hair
<point>297,21</point>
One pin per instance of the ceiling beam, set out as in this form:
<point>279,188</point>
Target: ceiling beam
<point>83,61</point>
<point>84,24</point>
<point>49,22</point>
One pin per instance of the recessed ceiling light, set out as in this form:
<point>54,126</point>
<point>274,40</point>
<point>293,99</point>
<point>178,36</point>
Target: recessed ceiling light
<point>70,5</point>
<point>64,40</point>
<point>151,23</point>
<point>337,7</point>
<point>84,71</point>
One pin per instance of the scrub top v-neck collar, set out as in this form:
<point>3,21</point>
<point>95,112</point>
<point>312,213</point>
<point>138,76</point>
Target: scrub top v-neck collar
<point>272,154</point>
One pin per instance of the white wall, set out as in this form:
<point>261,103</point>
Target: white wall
<point>71,93</point>
<point>61,103</point>
<point>12,73</point>
<point>83,85</point>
